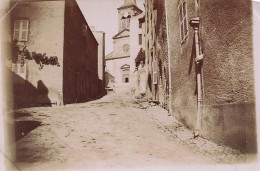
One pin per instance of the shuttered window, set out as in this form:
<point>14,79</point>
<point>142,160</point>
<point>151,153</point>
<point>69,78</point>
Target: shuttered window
<point>20,70</point>
<point>155,75</point>
<point>183,20</point>
<point>21,30</point>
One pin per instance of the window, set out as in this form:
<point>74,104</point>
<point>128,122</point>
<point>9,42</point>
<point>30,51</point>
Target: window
<point>183,20</point>
<point>140,25</point>
<point>84,30</point>
<point>19,69</point>
<point>140,39</point>
<point>126,23</point>
<point>21,30</point>
<point>154,66</point>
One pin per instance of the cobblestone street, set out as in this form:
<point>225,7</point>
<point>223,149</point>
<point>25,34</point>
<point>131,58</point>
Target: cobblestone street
<point>110,132</point>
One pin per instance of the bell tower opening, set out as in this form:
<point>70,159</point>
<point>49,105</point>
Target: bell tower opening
<point>125,12</point>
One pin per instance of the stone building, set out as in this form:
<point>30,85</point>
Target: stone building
<point>208,47</point>
<point>141,69</point>
<point>126,44</point>
<point>54,56</point>
<point>100,37</point>
<point>157,52</point>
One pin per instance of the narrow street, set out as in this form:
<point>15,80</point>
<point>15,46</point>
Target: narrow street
<point>113,131</point>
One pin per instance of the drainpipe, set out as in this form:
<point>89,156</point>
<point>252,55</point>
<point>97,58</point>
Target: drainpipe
<point>199,61</point>
<point>169,59</point>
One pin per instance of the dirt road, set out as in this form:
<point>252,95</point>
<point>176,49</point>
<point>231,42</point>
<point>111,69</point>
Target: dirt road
<point>107,133</point>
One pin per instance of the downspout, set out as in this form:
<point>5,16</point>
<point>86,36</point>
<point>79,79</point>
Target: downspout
<point>169,59</point>
<point>199,61</point>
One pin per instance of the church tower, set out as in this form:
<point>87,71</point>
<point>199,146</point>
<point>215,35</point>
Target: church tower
<point>125,12</point>
<point>120,63</point>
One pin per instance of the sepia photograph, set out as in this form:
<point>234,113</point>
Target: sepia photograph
<point>152,85</point>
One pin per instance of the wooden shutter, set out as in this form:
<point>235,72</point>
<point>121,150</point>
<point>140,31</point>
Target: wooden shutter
<point>24,30</point>
<point>21,30</point>
<point>20,70</point>
<point>84,30</point>
<point>14,68</point>
<point>181,22</point>
<point>16,30</point>
<point>155,75</point>
<point>185,21</point>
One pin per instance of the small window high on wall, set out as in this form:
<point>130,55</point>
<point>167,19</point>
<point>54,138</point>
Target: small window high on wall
<point>140,39</point>
<point>21,28</point>
<point>126,23</point>
<point>183,20</point>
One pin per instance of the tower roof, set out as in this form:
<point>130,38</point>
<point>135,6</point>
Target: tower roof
<point>130,3</point>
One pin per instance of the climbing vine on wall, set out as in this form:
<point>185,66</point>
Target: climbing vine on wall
<point>39,58</point>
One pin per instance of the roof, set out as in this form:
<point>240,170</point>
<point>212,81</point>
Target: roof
<point>109,56</point>
<point>123,33</point>
<point>130,3</point>
<point>134,6</point>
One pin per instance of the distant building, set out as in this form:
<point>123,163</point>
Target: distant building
<point>141,68</point>
<point>59,63</point>
<point>207,45</point>
<point>121,62</point>
<point>157,53</point>
<point>100,37</point>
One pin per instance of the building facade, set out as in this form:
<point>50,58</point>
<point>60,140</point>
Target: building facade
<point>100,37</point>
<point>210,83</point>
<point>54,54</point>
<point>126,43</point>
<point>157,52</point>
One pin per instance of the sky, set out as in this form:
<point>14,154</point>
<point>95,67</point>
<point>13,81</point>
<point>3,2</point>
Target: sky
<point>103,15</point>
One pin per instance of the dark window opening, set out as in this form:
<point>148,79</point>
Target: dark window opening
<point>126,80</point>
<point>140,39</point>
<point>140,25</point>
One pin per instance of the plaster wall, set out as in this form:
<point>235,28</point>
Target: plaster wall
<point>134,40</point>
<point>114,68</point>
<point>228,80</point>
<point>228,73</point>
<point>183,73</point>
<point>100,37</point>
<point>46,32</point>
<point>118,50</point>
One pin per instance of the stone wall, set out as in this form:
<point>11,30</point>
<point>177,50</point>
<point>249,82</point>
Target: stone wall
<point>162,54</point>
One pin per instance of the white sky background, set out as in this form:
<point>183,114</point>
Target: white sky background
<point>104,16</point>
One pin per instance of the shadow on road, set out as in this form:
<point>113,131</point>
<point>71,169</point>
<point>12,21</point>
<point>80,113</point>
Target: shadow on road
<point>21,114</point>
<point>22,128</point>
